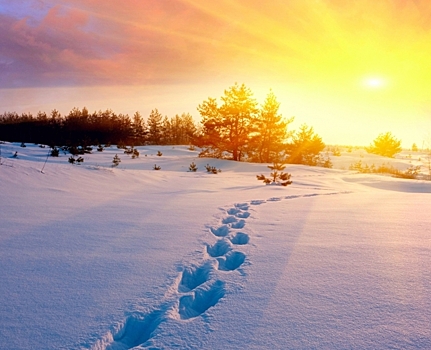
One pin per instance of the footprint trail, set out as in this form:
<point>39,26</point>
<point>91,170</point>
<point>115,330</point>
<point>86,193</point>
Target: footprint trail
<point>199,286</point>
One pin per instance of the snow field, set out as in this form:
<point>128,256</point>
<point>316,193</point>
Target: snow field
<point>102,258</point>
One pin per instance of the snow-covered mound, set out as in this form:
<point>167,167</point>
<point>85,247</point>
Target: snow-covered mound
<point>96,257</point>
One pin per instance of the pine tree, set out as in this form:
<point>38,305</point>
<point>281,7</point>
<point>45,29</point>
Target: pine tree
<point>154,124</point>
<point>277,176</point>
<point>212,169</point>
<point>116,161</point>
<point>55,152</point>
<point>306,147</point>
<point>138,129</point>
<point>385,145</point>
<point>193,167</point>
<point>227,128</point>
<point>272,133</point>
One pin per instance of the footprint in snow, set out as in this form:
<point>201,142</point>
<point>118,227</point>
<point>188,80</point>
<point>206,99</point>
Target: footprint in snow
<point>242,206</point>
<point>136,330</point>
<point>201,300</point>
<point>193,276</point>
<point>229,220</point>
<point>220,231</point>
<point>221,247</point>
<point>231,261</point>
<point>258,202</point>
<point>274,199</point>
<point>291,197</point>
<point>243,215</point>
<point>238,224</point>
<point>240,238</point>
<point>233,211</point>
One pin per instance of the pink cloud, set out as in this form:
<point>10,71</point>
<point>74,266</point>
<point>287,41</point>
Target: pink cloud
<point>91,42</point>
<point>86,42</point>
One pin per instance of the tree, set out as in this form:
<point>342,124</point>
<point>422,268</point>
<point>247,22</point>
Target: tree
<point>414,147</point>
<point>305,147</point>
<point>154,124</point>
<point>138,129</point>
<point>277,176</point>
<point>268,143</point>
<point>227,128</point>
<point>385,145</point>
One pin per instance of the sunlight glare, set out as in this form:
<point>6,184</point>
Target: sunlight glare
<point>374,83</point>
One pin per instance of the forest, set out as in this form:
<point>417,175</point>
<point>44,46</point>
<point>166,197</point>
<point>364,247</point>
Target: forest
<point>238,128</point>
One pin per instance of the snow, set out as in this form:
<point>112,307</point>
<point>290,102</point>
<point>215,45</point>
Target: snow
<point>95,257</point>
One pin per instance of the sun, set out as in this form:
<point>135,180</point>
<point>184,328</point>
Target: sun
<point>374,82</point>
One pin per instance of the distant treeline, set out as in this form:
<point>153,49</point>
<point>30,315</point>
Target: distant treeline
<point>81,128</point>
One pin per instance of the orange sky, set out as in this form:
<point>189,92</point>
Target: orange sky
<point>351,69</point>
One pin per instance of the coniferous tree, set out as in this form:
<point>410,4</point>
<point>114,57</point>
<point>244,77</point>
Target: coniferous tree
<point>116,161</point>
<point>227,128</point>
<point>305,147</point>
<point>277,176</point>
<point>193,167</point>
<point>138,129</point>
<point>385,145</point>
<point>269,141</point>
<point>154,124</point>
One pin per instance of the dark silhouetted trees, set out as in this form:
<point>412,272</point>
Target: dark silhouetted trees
<point>82,128</point>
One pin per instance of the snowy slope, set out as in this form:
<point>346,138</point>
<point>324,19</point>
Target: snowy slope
<point>95,257</point>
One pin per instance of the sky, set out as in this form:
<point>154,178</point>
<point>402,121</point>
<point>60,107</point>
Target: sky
<point>350,69</point>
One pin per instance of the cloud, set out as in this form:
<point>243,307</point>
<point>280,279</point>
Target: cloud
<point>111,42</point>
<point>91,43</point>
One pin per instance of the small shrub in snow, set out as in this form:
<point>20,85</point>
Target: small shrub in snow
<point>411,173</point>
<point>23,144</point>
<point>324,161</point>
<point>73,160</point>
<point>156,167</point>
<point>159,153</point>
<point>132,151</point>
<point>277,176</point>
<point>55,152</point>
<point>135,153</point>
<point>212,169</point>
<point>116,161</point>
<point>193,167</point>
<point>128,150</point>
<point>74,150</point>
<point>336,152</point>
<point>15,155</point>
<point>191,148</point>
<point>100,148</point>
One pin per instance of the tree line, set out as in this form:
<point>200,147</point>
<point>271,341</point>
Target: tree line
<point>237,128</point>
<point>82,128</point>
